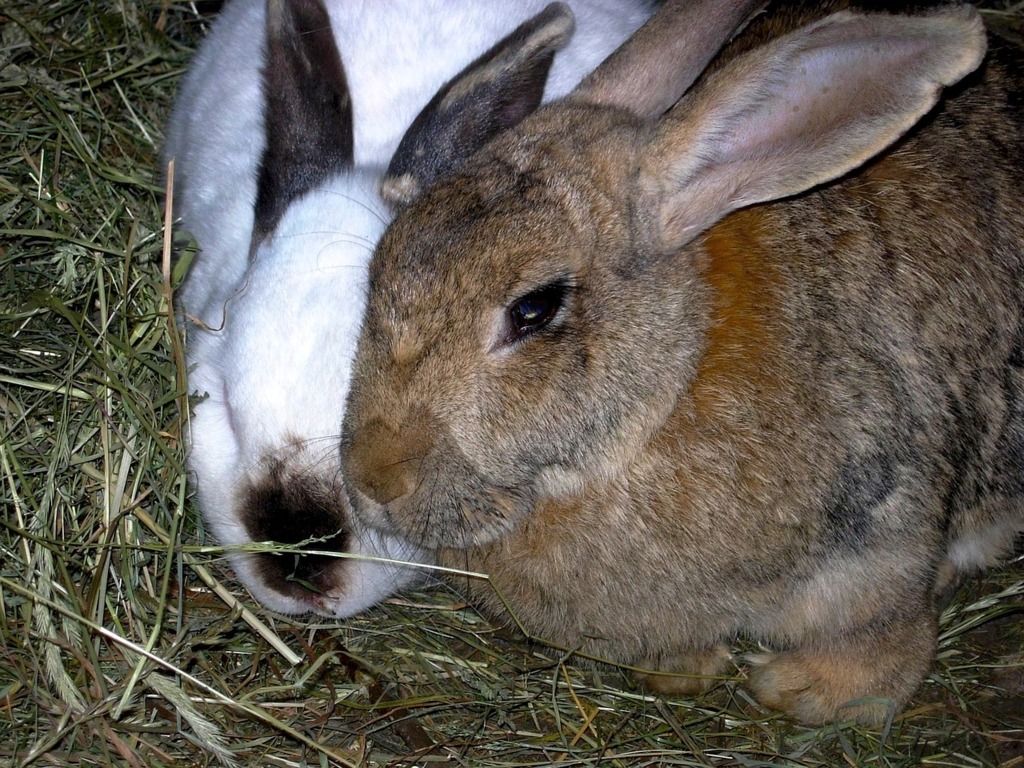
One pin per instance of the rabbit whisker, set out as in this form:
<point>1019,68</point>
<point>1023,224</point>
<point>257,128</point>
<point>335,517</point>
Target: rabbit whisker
<point>382,216</point>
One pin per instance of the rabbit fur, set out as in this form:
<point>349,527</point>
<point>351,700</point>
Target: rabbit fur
<point>285,223</point>
<point>751,368</point>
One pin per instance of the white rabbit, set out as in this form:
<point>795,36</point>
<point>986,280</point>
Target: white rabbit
<point>279,152</point>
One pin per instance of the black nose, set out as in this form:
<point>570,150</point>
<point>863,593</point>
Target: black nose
<point>300,511</point>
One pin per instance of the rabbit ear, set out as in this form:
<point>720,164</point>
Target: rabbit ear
<point>308,118</point>
<point>655,67</point>
<point>491,94</point>
<point>800,111</point>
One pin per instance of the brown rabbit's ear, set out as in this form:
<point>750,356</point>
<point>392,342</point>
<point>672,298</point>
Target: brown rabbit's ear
<point>662,59</point>
<point>492,94</point>
<point>803,110</point>
<point>308,118</point>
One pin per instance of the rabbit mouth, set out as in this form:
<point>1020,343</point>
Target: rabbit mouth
<point>413,480</point>
<point>307,524</point>
<point>444,510</point>
<point>317,559</point>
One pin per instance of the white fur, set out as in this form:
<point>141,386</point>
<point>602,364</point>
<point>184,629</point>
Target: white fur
<point>275,354</point>
<point>396,55</point>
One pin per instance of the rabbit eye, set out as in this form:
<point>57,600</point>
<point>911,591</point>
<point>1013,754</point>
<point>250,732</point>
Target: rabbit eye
<point>534,311</point>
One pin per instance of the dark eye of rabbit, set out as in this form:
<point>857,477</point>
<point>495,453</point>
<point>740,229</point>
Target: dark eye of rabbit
<point>534,311</point>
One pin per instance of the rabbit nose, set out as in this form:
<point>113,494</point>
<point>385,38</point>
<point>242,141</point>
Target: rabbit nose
<point>384,461</point>
<point>387,483</point>
<point>291,507</point>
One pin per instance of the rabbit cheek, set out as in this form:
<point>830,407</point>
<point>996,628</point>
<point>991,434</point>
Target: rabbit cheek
<point>297,510</point>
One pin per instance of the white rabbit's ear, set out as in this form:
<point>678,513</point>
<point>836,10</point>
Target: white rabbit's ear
<point>490,95</point>
<point>308,118</point>
<point>801,111</point>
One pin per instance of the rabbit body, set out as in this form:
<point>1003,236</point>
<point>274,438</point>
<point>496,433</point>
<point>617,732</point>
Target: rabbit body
<point>660,418</point>
<point>276,317</point>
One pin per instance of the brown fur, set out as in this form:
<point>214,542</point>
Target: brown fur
<point>795,427</point>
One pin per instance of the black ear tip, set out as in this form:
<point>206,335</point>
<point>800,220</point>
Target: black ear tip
<point>287,18</point>
<point>277,18</point>
<point>560,22</point>
<point>398,190</point>
<point>491,94</point>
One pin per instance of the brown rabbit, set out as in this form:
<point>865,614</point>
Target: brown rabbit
<point>752,367</point>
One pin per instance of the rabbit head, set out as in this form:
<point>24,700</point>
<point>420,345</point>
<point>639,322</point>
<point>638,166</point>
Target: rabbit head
<point>461,437</point>
<point>745,367</point>
<point>271,346</point>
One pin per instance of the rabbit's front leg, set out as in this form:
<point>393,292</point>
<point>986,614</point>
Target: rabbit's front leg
<point>686,672</point>
<point>861,675</point>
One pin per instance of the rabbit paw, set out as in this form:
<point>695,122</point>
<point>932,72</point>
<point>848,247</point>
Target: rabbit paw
<point>817,687</point>
<point>688,673</point>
